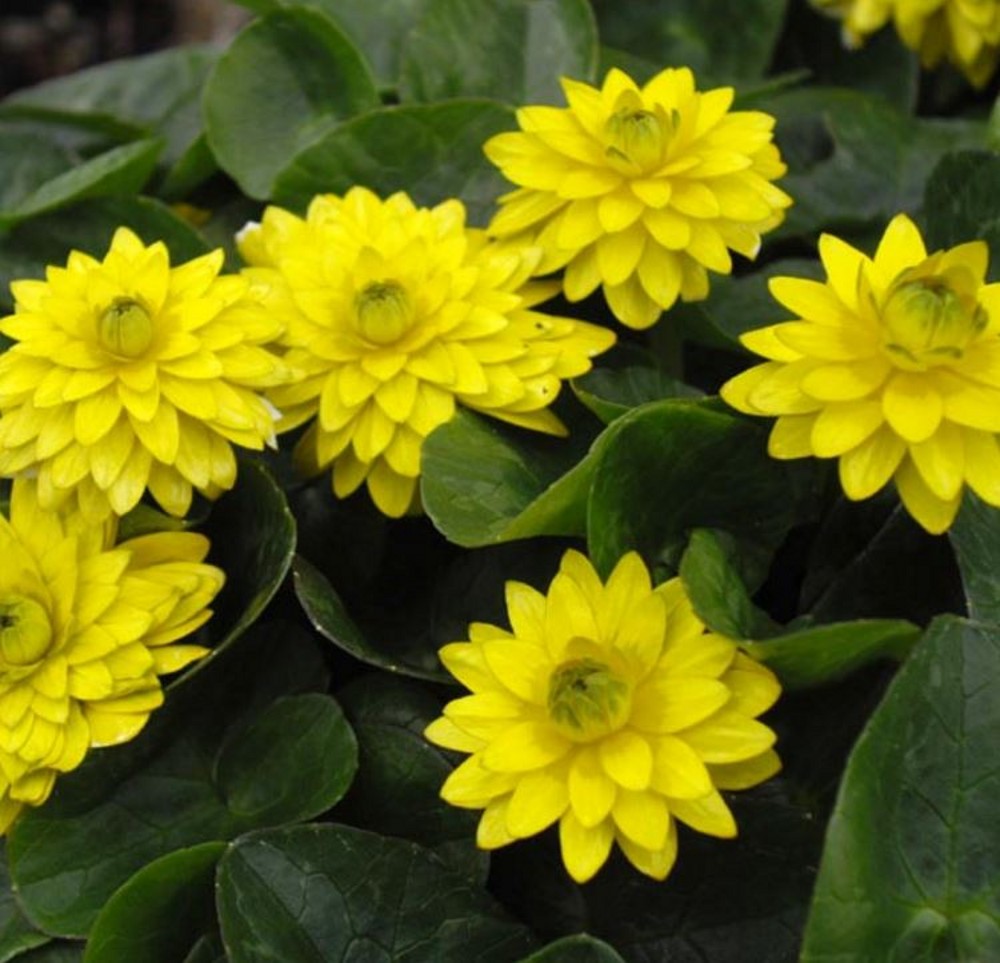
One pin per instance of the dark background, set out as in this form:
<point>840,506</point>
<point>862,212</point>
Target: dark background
<point>45,38</point>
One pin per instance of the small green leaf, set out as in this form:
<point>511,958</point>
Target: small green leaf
<point>703,469</point>
<point>328,892</point>
<point>431,151</point>
<point>252,532</point>
<point>975,536</point>
<point>483,482</point>
<point>284,82</point>
<point>910,865</point>
<point>611,392</point>
<point>575,949</point>
<point>962,202</point>
<point>122,170</point>
<point>825,653</point>
<point>256,768</point>
<point>158,914</point>
<point>513,50</point>
<point>329,617</point>
<point>129,805</point>
<point>717,590</point>
<point>17,933</point>
<point>397,790</point>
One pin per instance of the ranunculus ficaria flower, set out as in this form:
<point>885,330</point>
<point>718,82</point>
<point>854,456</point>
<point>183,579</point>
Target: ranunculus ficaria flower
<point>608,709</point>
<point>891,366</point>
<point>964,32</point>
<point>86,630</point>
<point>131,374</point>
<point>639,190</point>
<point>394,315</point>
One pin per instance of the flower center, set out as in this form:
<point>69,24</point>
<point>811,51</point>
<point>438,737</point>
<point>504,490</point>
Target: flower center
<point>932,320</point>
<point>587,700</point>
<point>125,328</point>
<point>25,630</point>
<point>637,136</point>
<point>383,312</point>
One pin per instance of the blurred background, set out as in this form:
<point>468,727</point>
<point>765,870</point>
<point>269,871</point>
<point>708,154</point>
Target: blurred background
<point>46,38</point>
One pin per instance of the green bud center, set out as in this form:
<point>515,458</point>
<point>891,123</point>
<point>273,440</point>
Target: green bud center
<point>587,700</point>
<point>383,312</point>
<point>125,328</point>
<point>636,136</point>
<point>25,630</point>
<point>931,321</point>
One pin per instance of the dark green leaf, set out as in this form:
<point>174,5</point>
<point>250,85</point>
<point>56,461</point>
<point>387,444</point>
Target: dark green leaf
<point>671,466</point>
<point>611,392</point>
<point>962,202</point>
<point>910,866</point>
<point>305,733</point>
<point>159,92</point>
<point>824,653</point>
<point>127,806</point>
<point>722,41</point>
<point>717,590</point>
<point>158,915</point>
<point>431,151</point>
<point>122,170</point>
<point>575,949</point>
<point>328,892</point>
<point>17,934</point>
<point>483,482</point>
<point>208,949</point>
<point>329,617</point>
<point>513,50</point>
<point>284,82</point>
<point>975,536</point>
<point>58,951</point>
<point>252,532</point>
<point>27,160</point>
<point>397,789</point>
<point>855,161</point>
<point>89,226</point>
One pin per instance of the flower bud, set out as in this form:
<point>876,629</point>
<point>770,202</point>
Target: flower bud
<point>25,630</point>
<point>383,312</point>
<point>586,699</point>
<point>125,328</point>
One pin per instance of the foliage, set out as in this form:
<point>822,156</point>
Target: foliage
<point>284,803</point>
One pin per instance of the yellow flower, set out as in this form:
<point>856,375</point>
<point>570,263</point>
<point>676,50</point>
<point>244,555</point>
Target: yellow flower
<point>892,366</point>
<point>128,373</point>
<point>965,32</point>
<point>609,709</point>
<point>86,629</point>
<point>394,313</point>
<point>640,191</point>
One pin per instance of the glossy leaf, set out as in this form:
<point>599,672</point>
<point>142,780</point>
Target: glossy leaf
<point>513,50</point>
<point>611,392</point>
<point>27,160</point>
<point>316,893</point>
<point>285,80</point>
<point>159,914</point>
<point>975,537</point>
<point>17,933</point>
<point>431,151</point>
<point>575,949</point>
<point>483,482</point>
<point>127,806</point>
<point>910,864</point>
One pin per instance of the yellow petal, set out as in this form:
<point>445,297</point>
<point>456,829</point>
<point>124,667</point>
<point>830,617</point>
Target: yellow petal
<point>678,771</point>
<point>728,737</point>
<point>941,460</point>
<point>655,863</point>
<point>627,758</point>
<point>525,746</point>
<point>708,815</point>
<point>591,792</point>
<point>745,774</point>
<point>584,849</point>
<point>539,799</point>
<point>864,470</point>
<point>643,818</point>
<point>839,427</point>
<point>982,465</point>
<point>912,406</point>
<point>933,513</point>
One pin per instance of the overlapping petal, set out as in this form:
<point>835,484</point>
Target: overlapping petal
<point>609,711</point>
<point>639,190</point>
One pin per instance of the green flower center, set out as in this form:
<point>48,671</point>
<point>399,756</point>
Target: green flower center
<point>125,328</point>
<point>383,312</point>
<point>931,321</point>
<point>25,630</point>
<point>637,136</point>
<point>587,699</point>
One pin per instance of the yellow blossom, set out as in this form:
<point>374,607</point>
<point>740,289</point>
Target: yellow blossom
<point>639,190</point>
<point>891,366</point>
<point>965,32</point>
<point>609,709</point>
<point>393,315</point>
<point>86,629</point>
<point>128,373</point>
